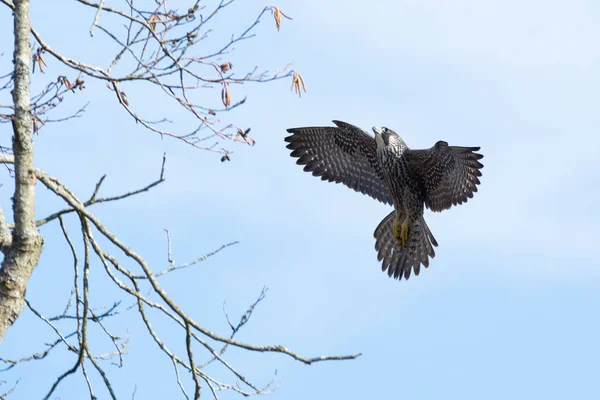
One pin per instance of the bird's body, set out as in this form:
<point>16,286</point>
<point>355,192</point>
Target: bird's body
<point>387,170</point>
<point>401,180</point>
<point>409,204</point>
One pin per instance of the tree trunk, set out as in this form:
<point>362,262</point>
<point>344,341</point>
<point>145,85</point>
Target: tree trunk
<point>23,253</point>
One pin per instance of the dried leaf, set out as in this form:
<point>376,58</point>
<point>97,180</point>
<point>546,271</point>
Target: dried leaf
<point>212,112</point>
<point>225,158</point>
<point>249,140</point>
<point>36,122</point>
<point>68,84</point>
<point>244,135</point>
<point>152,21</point>
<point>39,60</point>
<point>298,84</point>
<point>191,11</point>
<point>225,96</point>
<point>225,67</point>
<point>123,99</point>
<point>63,79</point>
<point>79,84</point>
<point>277,13</point>
<point>41,63</point>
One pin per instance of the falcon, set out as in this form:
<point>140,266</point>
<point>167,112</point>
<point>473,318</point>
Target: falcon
<point>386,169</point>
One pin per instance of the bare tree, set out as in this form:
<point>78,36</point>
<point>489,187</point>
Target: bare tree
<point>155,46</point>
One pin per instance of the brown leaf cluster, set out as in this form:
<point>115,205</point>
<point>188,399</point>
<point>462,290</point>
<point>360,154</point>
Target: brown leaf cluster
<point>277,13</point>
<point>191,36</point>
<point>243,135</point>
<point>153,20</point>
<point>298,84</point>
<point>39,60</point>
<point>192,11</point>
<point>225,67</point>
<point>77,85</point>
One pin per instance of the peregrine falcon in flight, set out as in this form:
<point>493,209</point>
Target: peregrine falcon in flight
<point>387,170</point>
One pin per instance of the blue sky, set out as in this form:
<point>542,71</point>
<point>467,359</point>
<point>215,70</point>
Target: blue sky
<point>507,308</point>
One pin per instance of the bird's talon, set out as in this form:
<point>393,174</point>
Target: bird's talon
<point>401,230</point>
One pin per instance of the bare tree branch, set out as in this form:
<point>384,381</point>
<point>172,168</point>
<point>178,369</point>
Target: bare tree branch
<point>62,191</point>
<point>154,45</point>
<point>188,344</point>
<point>168,307</point>
<point>93,200</point>
<point>169,59</point>
<point>9,391</point>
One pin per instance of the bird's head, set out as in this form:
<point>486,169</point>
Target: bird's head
<point>384,136</point>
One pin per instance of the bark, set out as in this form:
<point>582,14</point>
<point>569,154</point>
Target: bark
<point>22,255</point>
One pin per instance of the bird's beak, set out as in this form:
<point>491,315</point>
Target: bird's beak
<point>378,130</point>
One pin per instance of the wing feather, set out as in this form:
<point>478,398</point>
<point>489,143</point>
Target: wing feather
<point>448,175</point>
<point>342,154</point>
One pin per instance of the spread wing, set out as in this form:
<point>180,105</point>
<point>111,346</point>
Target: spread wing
<point>343,154</point>
<point>448,175</point>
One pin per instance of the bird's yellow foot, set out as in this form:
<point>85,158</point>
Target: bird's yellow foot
<point>401,230</point>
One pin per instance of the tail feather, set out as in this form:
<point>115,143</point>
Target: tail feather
<point>399,261</point>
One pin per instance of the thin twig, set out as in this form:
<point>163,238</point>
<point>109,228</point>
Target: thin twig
<point>96,17</point>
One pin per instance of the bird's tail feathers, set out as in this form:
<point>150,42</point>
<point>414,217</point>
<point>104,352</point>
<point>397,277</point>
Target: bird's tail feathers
<point>397,260</point>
